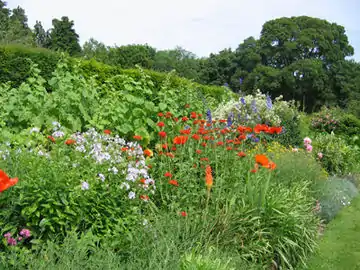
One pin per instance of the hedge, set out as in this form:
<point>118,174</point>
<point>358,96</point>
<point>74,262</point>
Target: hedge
<point>15,67</point>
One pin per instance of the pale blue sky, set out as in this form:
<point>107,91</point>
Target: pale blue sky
<point>200,26</point>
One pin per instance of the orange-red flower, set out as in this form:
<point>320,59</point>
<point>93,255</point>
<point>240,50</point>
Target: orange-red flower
<point>160,124</point>
<point>144,197</point>
<point>70,142</point>
<point>243,129</point>
<point>6,182</point>
<point>184,119</point>
<point>137,137</point>
<point>148,152</point>
<point>220,143</point>
<point>185,131</point>
<point>204,159</point>
<point>180,139</point>
<point>276,130</point>
<point>51,138</point>
<point>258,128</point>
<point>107,131</point>
<point>168,174</point>
<point>174,183</point>
<point>162,134</point>
<point>195,137</point>
<point>198,151</point>
<point>160,114</point>
<point>264,161</point>
<point>241,154</point>
<point>193,115</point>
<point>168,115</point>
<point>183,213</point>
<point>208,177</point>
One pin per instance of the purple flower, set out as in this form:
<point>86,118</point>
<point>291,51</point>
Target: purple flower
<point>208,114</point>
<point>229,119</point>
<point>25,233</point>
<point>241,80</point>
<point>11,241</point>
<point>226,84</point>
<point>269,104</point>
<point>243,101</point>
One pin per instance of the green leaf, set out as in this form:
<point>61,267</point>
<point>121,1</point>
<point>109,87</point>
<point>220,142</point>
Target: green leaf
<point>137,112</point>
<point>162,106</point>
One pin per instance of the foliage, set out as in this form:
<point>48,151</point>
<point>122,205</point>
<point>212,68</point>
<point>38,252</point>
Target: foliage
<point>338,157</point>
<point>325,121</point>
<point>241,205</point>
<point>82,182</point>
<point>333,194</point>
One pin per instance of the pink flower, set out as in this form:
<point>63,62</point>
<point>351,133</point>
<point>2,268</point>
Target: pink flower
<point>11,241</point>
<point>320,155</point>
<point>307,141</point>
<point>7,235</point>
<point>25,233</point>
<point>309,148</point>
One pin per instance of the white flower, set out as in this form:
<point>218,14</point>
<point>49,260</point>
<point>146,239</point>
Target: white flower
<point>131,195</point>
<point>101,176</point>
<point>34,129</point>
<point>58,134</point>
<point>125,185</point>
<point>114,170</point>
<point>84,185</point>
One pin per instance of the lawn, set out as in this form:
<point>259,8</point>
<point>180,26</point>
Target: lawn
<point>339,248</point>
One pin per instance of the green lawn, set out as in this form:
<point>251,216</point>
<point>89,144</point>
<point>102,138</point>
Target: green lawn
<point>340,246</point>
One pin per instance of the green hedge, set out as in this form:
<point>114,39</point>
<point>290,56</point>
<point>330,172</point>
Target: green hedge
<point>15,66</point>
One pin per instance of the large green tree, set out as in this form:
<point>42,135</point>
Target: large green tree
<point>63,37</point>
<point>93,49</point>
<point>41,37</point>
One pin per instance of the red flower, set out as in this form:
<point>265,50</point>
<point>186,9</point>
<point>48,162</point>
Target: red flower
<point>168,115</point>
<point>124,149</point>
<point>222,121</point>
<point>107,131</point>
<point>168,174</point>
<point>51,138</point>
<point>195,137</point>
<point>6,182</point>
<point>144,197</point>
<point>203,144</point>
<point>148,152</point>
<point>174,183</point>
<point>241,154</point>
<point>204,159</point>
<point>229,148</point>
<point>176,119</point>
<point>185,131</point>
<point>160,124</point>
<point>183,213</point>
<point>173,148</point>
<point>180,139</point>
<point>187,106</point>
<point>198,151</point>
<point>137,137</point>
<point>193,115</point>
<point>206,138</point>
<point>170,155</point>
<point>160,114</point>
<point>184,119</point>
<point>70,142</point>
<point>162,134</point>
<point>220,143</point>
<point>164,146</point>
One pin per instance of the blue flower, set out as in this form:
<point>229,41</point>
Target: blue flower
<point>241,80</point>
<point>269,104</point>
<point>253,106</point>
<point>230,119</point>
<point>243,101</point>
<point>208,114</point>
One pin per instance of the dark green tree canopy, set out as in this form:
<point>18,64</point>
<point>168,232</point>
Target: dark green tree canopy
<point>62,36</point>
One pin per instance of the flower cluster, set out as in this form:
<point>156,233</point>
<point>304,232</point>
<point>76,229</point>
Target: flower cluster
<point>324,121</point>
<point>14,240</point>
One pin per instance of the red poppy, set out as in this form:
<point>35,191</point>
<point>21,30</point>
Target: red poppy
<point>183,213</point>
<point>174,183</point>
<point>168,174</point>
<point>51,138</point>
<point>243,129</point>
<point>164,146</point>
<point>193,115</point>
<point>229,148</point>
<point>203,144</point>
<point>6,182</point>
<point>276,130</point>
<point>185,131</point>
<point>220,143</point>
<point>206,138</point>
<point>168,115</point>
<point>162,134</point>
<point>70,142</point>
<point>160,114</point>
<point>180,139</point>
<point>148,152</point>
<point>195,137</point>
<point>241,154</point>
<point>259,128</point>
<point>107,131</point>
<point>137,137</point>
<point>184,119</point>
<point>160,124</point>
<point>198,151</point>
<point>173,148</point>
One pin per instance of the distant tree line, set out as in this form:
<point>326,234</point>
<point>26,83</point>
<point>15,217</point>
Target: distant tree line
<point>301,58</point>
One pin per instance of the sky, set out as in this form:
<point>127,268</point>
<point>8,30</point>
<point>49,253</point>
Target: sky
<point>199,26</point>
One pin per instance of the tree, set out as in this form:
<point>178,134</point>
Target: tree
<point>130,55</point>
<point>93,49</point>
<point>62,36</point>
<point>41,37</point>
<point>184,62</point>
<point>286,40</point>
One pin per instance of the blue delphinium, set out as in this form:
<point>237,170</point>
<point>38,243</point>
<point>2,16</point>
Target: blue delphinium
<point>243,100</point>
<point>230,119</point>
<point>208,114</point>
<point>253,106</point>
<point>269,104</point>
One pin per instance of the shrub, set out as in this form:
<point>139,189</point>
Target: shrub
<point>338,157</point>
<point>260,108</point>
<point>334,194</point>
<point>87,181</point>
